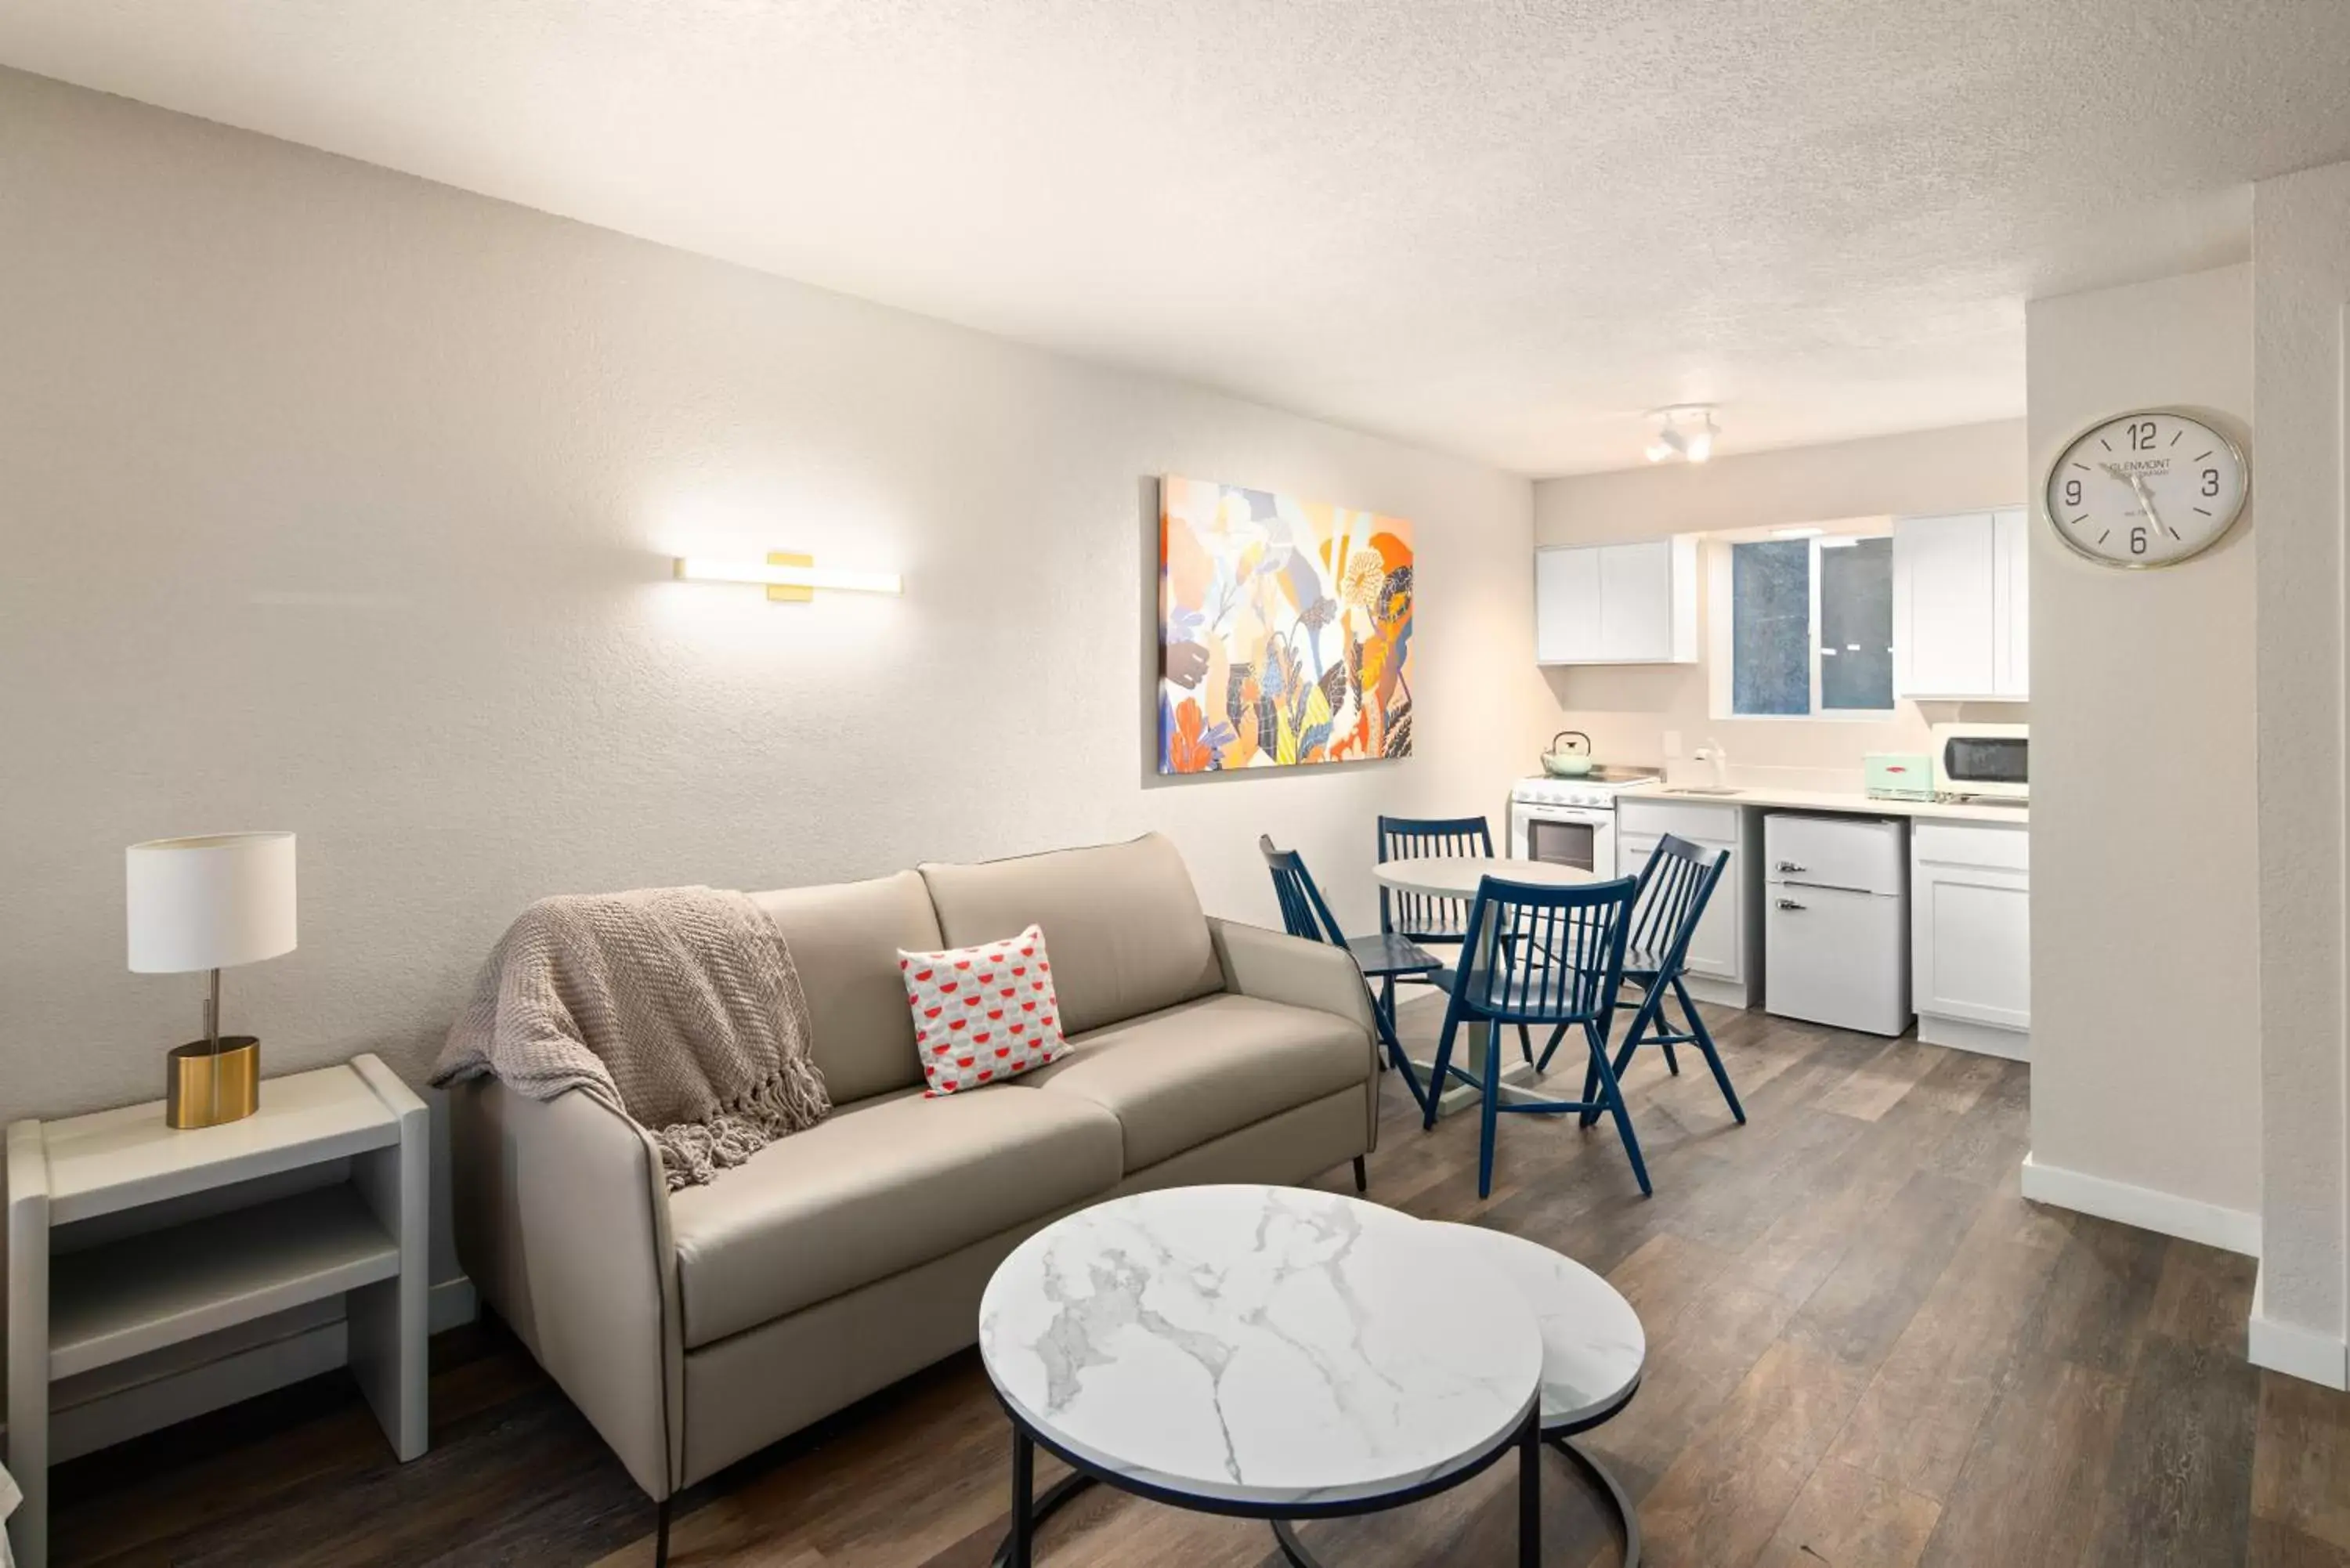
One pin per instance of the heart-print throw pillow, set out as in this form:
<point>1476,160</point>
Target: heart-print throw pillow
<point>983,1014</point>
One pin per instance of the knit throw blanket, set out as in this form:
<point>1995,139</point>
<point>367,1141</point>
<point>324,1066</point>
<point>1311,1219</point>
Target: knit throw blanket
<point>680,1007</point>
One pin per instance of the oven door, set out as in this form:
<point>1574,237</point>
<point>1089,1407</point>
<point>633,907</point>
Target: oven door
<point>1573,835</point>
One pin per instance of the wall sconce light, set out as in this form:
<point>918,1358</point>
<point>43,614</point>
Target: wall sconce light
<point>789,578</point>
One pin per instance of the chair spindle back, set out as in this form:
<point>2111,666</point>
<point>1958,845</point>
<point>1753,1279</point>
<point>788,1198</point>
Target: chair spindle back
<point>1417,916</point>
<point>1674,887</point>
<point>1302,912</point>
<point>1562,957</point>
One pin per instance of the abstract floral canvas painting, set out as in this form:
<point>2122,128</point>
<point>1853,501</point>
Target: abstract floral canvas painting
<point>1285,630</point>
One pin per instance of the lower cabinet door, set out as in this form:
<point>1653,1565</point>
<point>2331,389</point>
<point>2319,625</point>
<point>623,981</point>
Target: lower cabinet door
<point>1971,947</point>
<point>1836,957</point>
<point>1714,947</point>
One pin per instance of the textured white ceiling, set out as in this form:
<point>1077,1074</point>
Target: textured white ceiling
<point>1502,229</point>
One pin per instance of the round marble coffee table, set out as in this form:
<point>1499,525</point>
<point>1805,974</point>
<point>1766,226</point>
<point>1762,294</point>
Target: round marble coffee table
<point>1266,1352</point>
<point>1594,1349</point>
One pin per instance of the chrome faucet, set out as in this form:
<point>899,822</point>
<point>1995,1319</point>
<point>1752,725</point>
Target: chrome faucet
<point>1721,760</point>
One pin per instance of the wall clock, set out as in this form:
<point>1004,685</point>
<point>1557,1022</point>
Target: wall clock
<point>2145,489</point>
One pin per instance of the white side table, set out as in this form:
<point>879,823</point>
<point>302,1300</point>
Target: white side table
<point>92,1281</point>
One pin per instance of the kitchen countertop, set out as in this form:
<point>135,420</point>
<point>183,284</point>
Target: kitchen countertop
<point>1853,805</point>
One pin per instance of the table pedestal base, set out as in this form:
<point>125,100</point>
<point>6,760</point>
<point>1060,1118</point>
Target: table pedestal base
<point>1476,1039</point>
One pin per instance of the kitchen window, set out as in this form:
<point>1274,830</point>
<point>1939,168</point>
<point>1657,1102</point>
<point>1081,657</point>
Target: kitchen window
<point>1810,628</point>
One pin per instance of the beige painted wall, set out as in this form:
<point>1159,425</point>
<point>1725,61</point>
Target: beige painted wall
<point>340,502</point>
<point>1627,708</point>
<point>2300,278</point>
<point>2145,960</point>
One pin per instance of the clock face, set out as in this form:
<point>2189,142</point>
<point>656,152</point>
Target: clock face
<point>2146,489</point>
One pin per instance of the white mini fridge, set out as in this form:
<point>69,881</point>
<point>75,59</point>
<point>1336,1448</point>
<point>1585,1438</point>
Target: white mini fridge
<point>1836,920</point>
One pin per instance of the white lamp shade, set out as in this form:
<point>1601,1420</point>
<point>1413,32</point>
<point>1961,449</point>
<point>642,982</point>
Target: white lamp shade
<point>212,903</point>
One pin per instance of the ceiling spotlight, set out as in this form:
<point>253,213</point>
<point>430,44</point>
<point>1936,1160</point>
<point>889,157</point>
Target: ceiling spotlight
<point>1686,433</point>
<point>1700,444</point>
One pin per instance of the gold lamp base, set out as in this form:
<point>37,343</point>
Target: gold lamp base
<point>206,1088</point>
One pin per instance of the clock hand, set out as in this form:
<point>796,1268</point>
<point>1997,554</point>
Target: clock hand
<point>2145,498</point>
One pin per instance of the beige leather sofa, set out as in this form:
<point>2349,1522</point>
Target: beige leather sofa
<point>694,1327</point>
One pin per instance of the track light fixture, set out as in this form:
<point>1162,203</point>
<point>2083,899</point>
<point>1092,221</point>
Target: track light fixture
<point>1686,433</point>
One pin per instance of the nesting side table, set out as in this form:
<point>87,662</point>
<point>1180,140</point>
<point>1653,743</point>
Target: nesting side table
<point>126,1237</point>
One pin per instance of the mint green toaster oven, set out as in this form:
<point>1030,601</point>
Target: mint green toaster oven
<point>1899,775</point>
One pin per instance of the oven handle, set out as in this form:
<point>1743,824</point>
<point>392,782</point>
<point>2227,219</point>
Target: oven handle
<point>1585,815</point>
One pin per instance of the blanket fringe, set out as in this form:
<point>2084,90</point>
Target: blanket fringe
<point>693,1153</point>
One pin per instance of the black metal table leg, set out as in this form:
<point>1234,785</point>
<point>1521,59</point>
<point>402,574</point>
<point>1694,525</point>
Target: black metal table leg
<point>1019,1547</point>
<point>1530,1494</point>
<point>1286,1534</point>
<point>1627,1517</point>
<point>1021,1538</point>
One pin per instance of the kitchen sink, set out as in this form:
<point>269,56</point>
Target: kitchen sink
<point>1698,789</point>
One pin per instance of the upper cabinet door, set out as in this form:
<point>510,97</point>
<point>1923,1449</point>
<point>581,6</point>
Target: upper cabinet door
<point>1946,588</point>
<point>1636,601</point>
<point>1566,606</point>
<point>2013,541</point>
<point>1617,604</point>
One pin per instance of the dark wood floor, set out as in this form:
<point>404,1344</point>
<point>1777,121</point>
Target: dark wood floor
<point>1864,1349</point>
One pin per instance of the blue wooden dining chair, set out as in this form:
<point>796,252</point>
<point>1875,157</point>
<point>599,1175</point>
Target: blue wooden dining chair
<point>1674,889</point>
<point>1417,916</point>
<point>1385,958</point>
<point>1564,970</point>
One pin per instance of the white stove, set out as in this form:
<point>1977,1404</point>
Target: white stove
<point>1598,788</point>
<point>1572,822</point>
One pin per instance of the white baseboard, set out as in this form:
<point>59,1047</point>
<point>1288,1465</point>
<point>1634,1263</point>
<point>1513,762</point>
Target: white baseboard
<point>2231,1229</point>
<point>1966,1035</point>
<point>131,1398</point>
<point>2297,1352</point>
<point>450,1304</point>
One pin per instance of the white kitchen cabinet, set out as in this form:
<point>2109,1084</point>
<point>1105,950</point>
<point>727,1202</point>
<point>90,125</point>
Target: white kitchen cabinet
<point>1617,604</point>
<point>1961,606</point>
<point>1971,936</point>
<point>2012,538</point>
<point>1567,607</point>
<point>1722,962</point>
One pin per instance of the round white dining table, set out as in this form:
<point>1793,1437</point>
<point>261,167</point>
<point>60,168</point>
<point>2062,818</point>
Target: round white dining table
<point>1457,876</point>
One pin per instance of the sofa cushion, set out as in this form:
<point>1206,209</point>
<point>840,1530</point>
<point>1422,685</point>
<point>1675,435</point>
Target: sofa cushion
<point>876,1187</point>
<point>844,938</point>
<point>1127,934</point>
<point>1178,1078</point>
<point>983,1014</point>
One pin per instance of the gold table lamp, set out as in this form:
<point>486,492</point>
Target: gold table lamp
<point>210,903</point>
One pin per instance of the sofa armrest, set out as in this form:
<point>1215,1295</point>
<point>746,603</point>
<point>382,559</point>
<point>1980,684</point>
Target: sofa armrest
<point>561,1218</point>
<point>1274,966</point>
